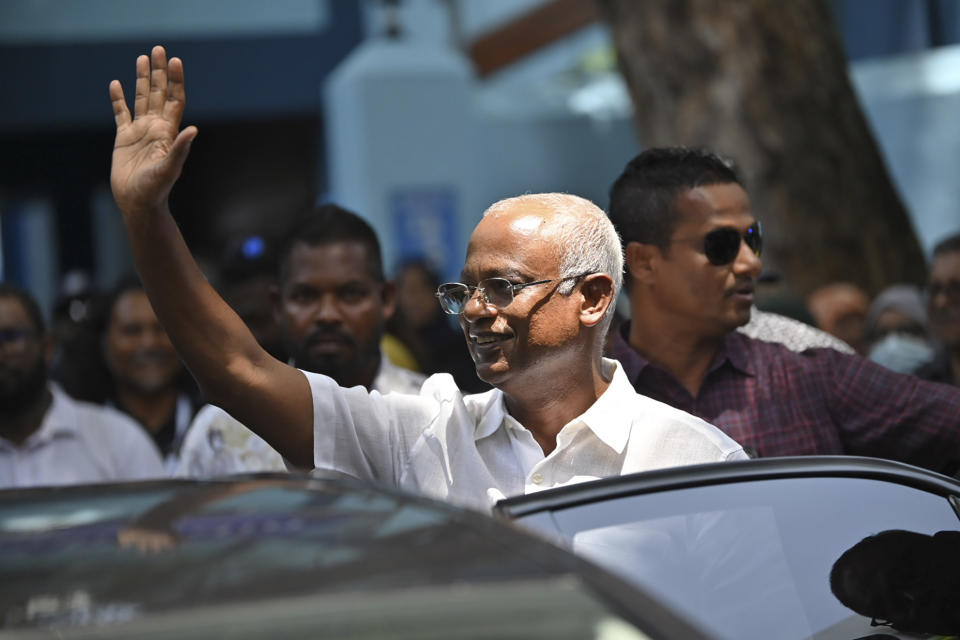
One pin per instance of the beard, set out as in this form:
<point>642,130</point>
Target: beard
<point>22,389</point>
<point>345,364</point>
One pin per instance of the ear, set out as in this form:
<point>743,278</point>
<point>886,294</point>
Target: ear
<point>388,299</point>
<point>641,260</point>
<point>597,291</point>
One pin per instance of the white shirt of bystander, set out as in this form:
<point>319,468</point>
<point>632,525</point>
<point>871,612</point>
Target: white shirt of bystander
<point>217,444</point>
<point>79,443</point>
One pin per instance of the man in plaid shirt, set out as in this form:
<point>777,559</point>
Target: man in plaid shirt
<point>692,248</point>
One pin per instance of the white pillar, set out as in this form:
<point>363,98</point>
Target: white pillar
<point>399,131</point>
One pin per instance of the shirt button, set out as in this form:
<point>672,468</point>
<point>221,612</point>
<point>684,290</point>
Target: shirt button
<point>537,478</point>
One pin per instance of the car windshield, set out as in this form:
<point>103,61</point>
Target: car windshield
<point>754,559</point>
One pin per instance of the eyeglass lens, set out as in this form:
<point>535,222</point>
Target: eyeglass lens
<point>498,291</point>
<point>454,296</point>
<point>721,246</point>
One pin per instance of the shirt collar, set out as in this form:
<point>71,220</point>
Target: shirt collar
<point>56,422</point>
<point>732,350</point>
<point>385,370</point>
<point>493,414</point>
<point>391,377</point>
<point>59,419</point>
<point>630,359</point>
<point>604,417</point>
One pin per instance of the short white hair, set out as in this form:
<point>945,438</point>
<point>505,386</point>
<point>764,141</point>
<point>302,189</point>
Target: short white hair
<point>586,240</point>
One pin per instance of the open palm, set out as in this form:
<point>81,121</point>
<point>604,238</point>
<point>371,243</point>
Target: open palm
<point>149,151</point>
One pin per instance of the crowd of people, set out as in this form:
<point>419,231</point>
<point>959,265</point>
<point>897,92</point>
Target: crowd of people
<point>518,378</point>
<point>904,327</point>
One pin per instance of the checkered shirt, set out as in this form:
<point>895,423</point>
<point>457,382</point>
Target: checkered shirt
<point>780,402</point>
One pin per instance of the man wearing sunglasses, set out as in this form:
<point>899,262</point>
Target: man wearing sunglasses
<point>693,247</point>
<point>541,274</point>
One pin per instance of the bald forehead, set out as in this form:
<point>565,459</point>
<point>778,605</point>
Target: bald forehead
<point>519,219</point>
<point>539,226</point>
<point>520,226</point>
<point>526,216</point>
<point>512,242</point>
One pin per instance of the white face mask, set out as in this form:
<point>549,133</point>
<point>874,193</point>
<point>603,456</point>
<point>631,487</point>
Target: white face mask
<point>901,352</point>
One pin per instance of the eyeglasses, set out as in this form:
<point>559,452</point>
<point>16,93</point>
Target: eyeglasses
<point>722,245</point>
<point>499,292</point>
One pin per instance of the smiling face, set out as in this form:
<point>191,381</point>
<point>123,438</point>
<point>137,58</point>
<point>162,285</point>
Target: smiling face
<point>539,334</point>
<point>138,352</point>
<point>332,311</point>
<point>702,298</point>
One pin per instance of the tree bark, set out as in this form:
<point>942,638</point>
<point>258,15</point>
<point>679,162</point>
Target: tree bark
<point>765,82</point>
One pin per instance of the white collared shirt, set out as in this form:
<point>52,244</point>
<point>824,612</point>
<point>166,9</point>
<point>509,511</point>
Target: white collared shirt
<point>182,418</point>
<point>468,450</point>
<point>77,443</point>
<point>217,444</point>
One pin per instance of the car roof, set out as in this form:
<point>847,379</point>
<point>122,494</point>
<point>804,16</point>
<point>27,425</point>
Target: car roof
<point>730,472</point>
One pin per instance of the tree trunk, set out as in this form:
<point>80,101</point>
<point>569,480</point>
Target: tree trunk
<point>765,82</point>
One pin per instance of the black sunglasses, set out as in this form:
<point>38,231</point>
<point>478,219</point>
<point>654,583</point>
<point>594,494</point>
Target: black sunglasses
<point>722,245</point>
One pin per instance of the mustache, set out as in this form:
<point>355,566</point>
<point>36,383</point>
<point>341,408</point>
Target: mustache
<point>328,334</point>
<point>743,283</point>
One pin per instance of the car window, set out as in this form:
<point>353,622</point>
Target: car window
<point>45,511</point>
<point>754,559</point>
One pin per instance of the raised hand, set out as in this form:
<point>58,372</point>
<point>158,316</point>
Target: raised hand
<point>232,369</point>
<point>149,151</point>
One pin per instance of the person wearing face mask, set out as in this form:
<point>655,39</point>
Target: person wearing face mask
<point>896,329</point>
